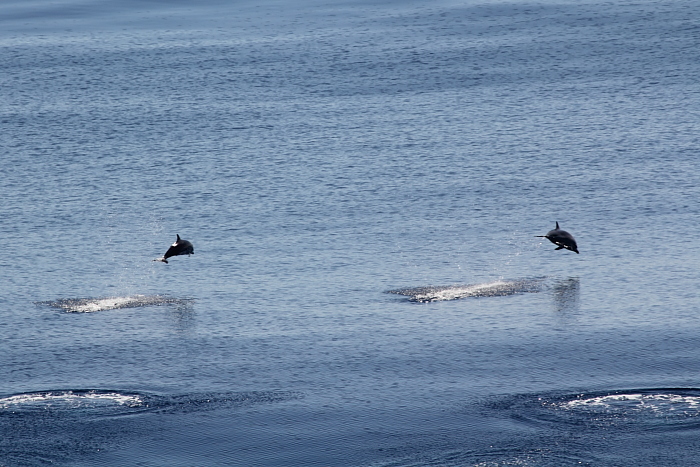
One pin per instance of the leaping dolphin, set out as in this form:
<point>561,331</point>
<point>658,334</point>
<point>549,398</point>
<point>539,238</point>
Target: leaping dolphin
<point>561,238</point>
<point>180,247</point>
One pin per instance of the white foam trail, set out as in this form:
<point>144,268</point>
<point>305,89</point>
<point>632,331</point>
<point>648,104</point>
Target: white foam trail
<point>495,288</point>
<point>456,292</point>
<point>106,304</point>
<point>661,403</point>
<point>70,399</point>
<point>91,305</point>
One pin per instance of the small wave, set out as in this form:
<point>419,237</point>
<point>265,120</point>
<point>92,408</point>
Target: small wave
<point>496,288</point>
<point>643,409</point>
<point>91,305</point>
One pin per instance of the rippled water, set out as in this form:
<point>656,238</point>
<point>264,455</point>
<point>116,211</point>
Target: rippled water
<point>363,184</point>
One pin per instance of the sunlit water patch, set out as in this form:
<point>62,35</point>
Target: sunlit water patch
<point>90,305</point>
<point>496,288</point>
<point>641,409</point>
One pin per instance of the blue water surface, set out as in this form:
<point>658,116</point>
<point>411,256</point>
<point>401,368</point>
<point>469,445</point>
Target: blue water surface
<point>363,182</point>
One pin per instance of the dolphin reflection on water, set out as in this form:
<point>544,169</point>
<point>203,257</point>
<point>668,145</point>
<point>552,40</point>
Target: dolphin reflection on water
<point>180,247</point>
<point>561,238</point>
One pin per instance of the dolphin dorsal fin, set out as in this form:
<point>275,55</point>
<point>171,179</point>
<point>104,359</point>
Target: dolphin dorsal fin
<point>178,235</point>
<point>554,221</point>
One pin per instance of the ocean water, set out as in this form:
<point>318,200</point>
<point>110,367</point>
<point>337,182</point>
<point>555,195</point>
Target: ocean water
<point>363,182</point>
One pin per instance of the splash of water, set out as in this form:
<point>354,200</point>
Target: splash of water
<point>497,288</point>
<point>90,305</point>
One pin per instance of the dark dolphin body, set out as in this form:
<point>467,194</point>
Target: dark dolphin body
<point>561,238</point>
<point>180,247</point>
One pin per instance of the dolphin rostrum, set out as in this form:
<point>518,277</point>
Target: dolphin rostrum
<point>180,247</point>
<point>561,238</point>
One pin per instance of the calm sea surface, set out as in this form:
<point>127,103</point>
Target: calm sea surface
<point>362,182</point>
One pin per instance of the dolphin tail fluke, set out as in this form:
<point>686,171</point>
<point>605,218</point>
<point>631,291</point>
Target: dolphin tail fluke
<point>162,260</point>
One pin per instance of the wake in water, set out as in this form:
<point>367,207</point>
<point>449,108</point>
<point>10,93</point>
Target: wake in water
<point>637,409</point>
<point>496,288</point>
<point>90,305</point>
<point>80,402</point>
<point>62,427</point>
<point>106,402</point>
<point>603,428</point>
